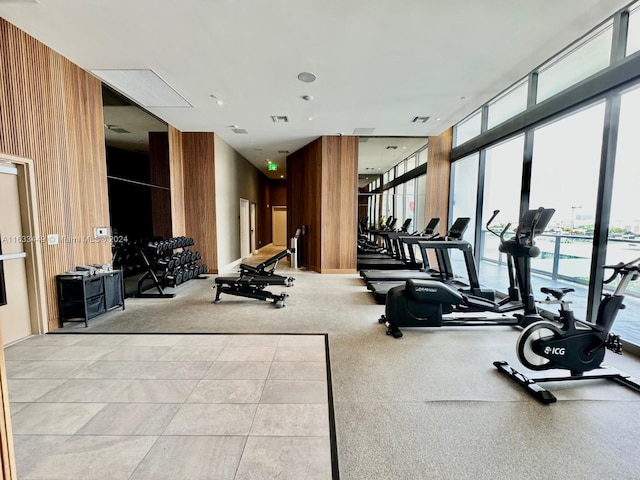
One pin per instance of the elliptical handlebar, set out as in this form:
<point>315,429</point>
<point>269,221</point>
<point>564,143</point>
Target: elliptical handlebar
<point>504,230</point>
<point>495,214</point>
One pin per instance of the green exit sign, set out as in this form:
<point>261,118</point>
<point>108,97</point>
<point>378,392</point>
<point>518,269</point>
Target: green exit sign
<point>272,167</point>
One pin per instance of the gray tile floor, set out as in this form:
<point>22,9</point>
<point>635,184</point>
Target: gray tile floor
<point>111,406</point>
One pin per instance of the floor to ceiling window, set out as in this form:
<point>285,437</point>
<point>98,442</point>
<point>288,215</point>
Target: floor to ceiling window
<point>564,176</point>
<point>464,192</point>
<point>623,244</point>
<point>566,144</point>
<point>502,184</point>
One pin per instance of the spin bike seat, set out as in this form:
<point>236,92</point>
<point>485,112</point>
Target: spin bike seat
<point>557,293</point>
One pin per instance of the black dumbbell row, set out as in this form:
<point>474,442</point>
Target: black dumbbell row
<point>183,274</point>
<point>176,260</point>
<point>161,246</point>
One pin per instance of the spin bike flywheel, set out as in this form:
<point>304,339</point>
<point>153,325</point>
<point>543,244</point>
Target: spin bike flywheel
<point>542,330</point>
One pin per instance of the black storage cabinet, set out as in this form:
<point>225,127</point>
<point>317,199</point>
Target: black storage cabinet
<point>82,297</point>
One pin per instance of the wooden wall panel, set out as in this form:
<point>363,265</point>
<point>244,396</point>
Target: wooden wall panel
<point>198,160</point>
<point>339,204</point>
<point>176,170</point>
<point>304,194</point>
<point>263,207</point>
<point>51,112</point>
<point>322,194</point>
<point>438,177</point>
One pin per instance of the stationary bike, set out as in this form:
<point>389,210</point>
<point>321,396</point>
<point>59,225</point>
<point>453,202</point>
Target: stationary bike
<point>571,344</point>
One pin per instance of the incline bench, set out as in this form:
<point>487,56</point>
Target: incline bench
<point>252,281</point>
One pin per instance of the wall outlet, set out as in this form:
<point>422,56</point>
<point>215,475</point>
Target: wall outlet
<point>53,239</point>
<point>101,232</point>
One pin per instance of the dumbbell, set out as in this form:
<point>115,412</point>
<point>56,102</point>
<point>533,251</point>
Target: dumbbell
<point>165,263</point>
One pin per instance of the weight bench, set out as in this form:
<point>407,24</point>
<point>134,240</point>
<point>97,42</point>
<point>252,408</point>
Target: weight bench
<point>252,281</point>
<point>252,287</point>
<point>263,270</point>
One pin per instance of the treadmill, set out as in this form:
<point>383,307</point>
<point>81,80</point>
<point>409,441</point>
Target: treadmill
<point>426,273</point>
<point>400,259</point>
<point>442,247</point>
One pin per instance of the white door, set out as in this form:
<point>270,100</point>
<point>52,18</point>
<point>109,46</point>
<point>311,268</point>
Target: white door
<point>252,226</point>
<point>15,316</point>
<point>245,250</point>
<point>279,235</point>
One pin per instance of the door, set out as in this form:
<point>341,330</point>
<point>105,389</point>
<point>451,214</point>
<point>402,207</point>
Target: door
<point>279,226</point>
<point>252,226</point>
<point>245,246</point>
<point>15,315</point>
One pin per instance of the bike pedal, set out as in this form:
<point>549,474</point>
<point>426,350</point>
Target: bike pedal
<point>614,344</point>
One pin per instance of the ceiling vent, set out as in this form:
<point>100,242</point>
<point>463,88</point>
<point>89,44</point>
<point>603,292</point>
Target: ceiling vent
<point>279,119</point>
<point>239,130</point>
<point>285,152</point>
<point>392,147</point>
<point>420,119</point>
<point>363,131</point>
<point>259,149</point>
<point>144,87</point>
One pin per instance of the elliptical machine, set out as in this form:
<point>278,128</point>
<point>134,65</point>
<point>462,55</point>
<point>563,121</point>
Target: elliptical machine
<point>422,303</point>
<point>571,344</point>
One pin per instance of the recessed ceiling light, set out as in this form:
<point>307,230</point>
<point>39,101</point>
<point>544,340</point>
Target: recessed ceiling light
<point>308,98</point>
<point>438,119</point>
<point>219,102</point>
<point>306,77</point>
<point>309,118</point>
<point>281,176</point>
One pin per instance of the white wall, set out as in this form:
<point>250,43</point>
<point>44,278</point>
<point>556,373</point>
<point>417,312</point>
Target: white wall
<point>236,178</point>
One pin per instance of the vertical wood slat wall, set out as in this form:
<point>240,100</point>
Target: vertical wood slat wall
<point>193,195</point>
<point>51,112</point>
<point>322,194</point>
<point>176,173</point>
<point>438,177</point>
<point>339,204</point>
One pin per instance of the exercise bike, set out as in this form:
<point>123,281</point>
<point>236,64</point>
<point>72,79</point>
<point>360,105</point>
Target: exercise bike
<point>571,344</point>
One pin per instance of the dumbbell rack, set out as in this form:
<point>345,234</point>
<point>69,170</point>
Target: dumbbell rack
<point>166,268</point>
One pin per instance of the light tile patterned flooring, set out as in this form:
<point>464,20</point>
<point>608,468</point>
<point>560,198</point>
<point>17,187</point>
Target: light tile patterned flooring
<point>112,406</point>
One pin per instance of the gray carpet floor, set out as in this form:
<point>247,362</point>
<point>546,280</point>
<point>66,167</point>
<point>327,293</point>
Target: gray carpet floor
<point>429,405</point>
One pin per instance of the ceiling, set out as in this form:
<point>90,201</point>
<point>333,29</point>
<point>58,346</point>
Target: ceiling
<point>377,65</point>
